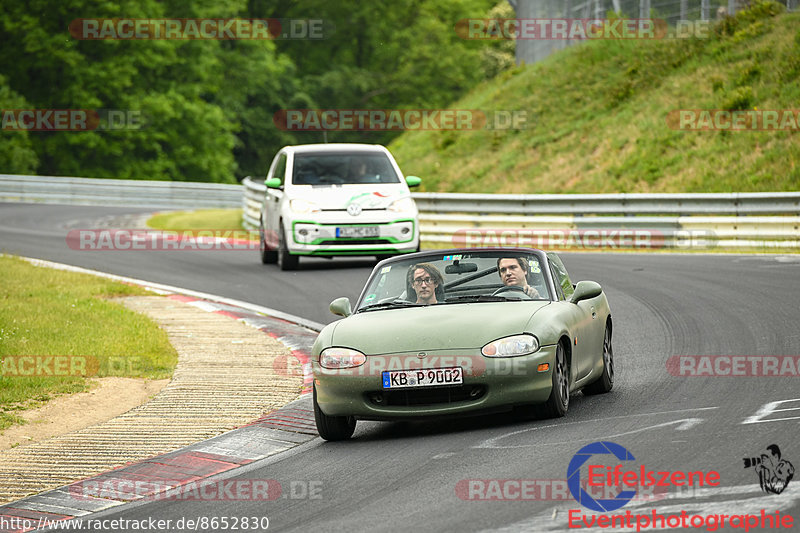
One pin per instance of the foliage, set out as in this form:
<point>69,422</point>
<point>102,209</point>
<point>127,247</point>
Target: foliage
<point>16,151</point>
<point>208,105</point>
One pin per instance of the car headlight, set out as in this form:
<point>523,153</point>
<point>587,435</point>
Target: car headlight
<point>511,346</point>
<point>299,205</point>
<point>402,205</point>
<point>341,358</point>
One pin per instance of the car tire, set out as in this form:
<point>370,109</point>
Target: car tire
<point>267,256</point>
<point>286,260</point>
<point>332,428</point>
<point>606,381</point>
<point>557,404</point>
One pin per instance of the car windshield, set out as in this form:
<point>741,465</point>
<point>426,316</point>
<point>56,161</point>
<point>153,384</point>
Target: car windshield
<point>456,278</point>
<point>340,168</point>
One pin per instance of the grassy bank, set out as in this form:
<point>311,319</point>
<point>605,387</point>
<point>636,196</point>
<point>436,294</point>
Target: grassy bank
<point>58,328</point>
<point>597,118</point>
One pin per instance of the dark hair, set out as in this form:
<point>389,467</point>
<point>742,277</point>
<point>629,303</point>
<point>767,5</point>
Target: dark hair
<point>521,261</point>
<point>432,271</point>
<point>773,448</point>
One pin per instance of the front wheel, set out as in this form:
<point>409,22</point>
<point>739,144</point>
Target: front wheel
<point>558,402</point>
<point>333,427</point>
<point>286,260</point>
<point>606,381</point>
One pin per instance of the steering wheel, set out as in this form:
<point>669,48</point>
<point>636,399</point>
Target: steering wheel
<point>508,288</point>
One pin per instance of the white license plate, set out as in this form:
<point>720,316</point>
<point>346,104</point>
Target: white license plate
<point>358,231</point>
<point>429,377</point>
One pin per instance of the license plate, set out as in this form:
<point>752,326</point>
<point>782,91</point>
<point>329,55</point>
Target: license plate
<point>358,231</point>
<point>429,377</point>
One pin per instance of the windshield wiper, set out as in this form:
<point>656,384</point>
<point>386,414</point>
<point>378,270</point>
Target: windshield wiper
<point>384,305</point>
<point>480,298</point>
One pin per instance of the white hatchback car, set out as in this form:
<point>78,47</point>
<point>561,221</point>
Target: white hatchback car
<point>336,199</point>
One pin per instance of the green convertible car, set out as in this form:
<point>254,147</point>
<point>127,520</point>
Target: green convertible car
<point>452,332</point>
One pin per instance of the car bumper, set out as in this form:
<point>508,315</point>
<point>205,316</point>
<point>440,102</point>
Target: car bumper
<point>489,384</point>
<point>324,237</point>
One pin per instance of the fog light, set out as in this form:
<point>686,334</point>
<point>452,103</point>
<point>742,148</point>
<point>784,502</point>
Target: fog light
<point>404,231</point>
<point>303,232</point>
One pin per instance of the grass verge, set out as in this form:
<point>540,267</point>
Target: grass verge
<point>58,328</point>
<point>202,219</point>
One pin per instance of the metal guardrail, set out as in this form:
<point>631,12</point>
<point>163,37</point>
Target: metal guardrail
<point>673,220</point>
<point>252,201</point>
<point>613,204</point>
<point>131,193</point>
<point>698,220</point>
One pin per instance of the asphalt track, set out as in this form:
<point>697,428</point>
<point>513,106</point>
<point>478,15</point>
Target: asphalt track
<point>401,476</point>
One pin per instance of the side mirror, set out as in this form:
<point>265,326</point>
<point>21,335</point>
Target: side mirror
<point>585,290</point>
<point>413,181</point>
<point>341,306</point>
<point>273,183</point>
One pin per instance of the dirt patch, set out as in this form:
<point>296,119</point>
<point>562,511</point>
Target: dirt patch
<point>109,397</point>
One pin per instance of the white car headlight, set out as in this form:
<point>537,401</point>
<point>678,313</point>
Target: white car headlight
<point>511,346</point>
<point>299,205</point>
<point>402,205</point>
<point>341,358</point>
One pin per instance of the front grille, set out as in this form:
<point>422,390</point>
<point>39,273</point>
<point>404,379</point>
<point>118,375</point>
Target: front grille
<point>426,396</point>
<point>348,242</point>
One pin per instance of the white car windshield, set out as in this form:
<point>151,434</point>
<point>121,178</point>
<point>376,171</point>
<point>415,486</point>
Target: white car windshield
<point>340,168</point>
<point>454,278</point>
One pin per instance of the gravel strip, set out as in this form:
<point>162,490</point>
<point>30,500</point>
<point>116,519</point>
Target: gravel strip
<point>226,377</point>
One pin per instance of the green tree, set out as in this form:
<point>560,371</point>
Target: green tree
<point>382,55</point>
<point>208,105</point>
<point>16,151</point>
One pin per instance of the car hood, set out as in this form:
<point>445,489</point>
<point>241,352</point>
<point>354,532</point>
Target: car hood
<point>435,327</point>
<point>373,196</point>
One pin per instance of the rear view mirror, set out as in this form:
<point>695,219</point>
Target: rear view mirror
<point>460,268</point>
<point>586,290</point>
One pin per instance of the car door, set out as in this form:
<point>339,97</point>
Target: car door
<point>272,200</point>
<point>580,316</point>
